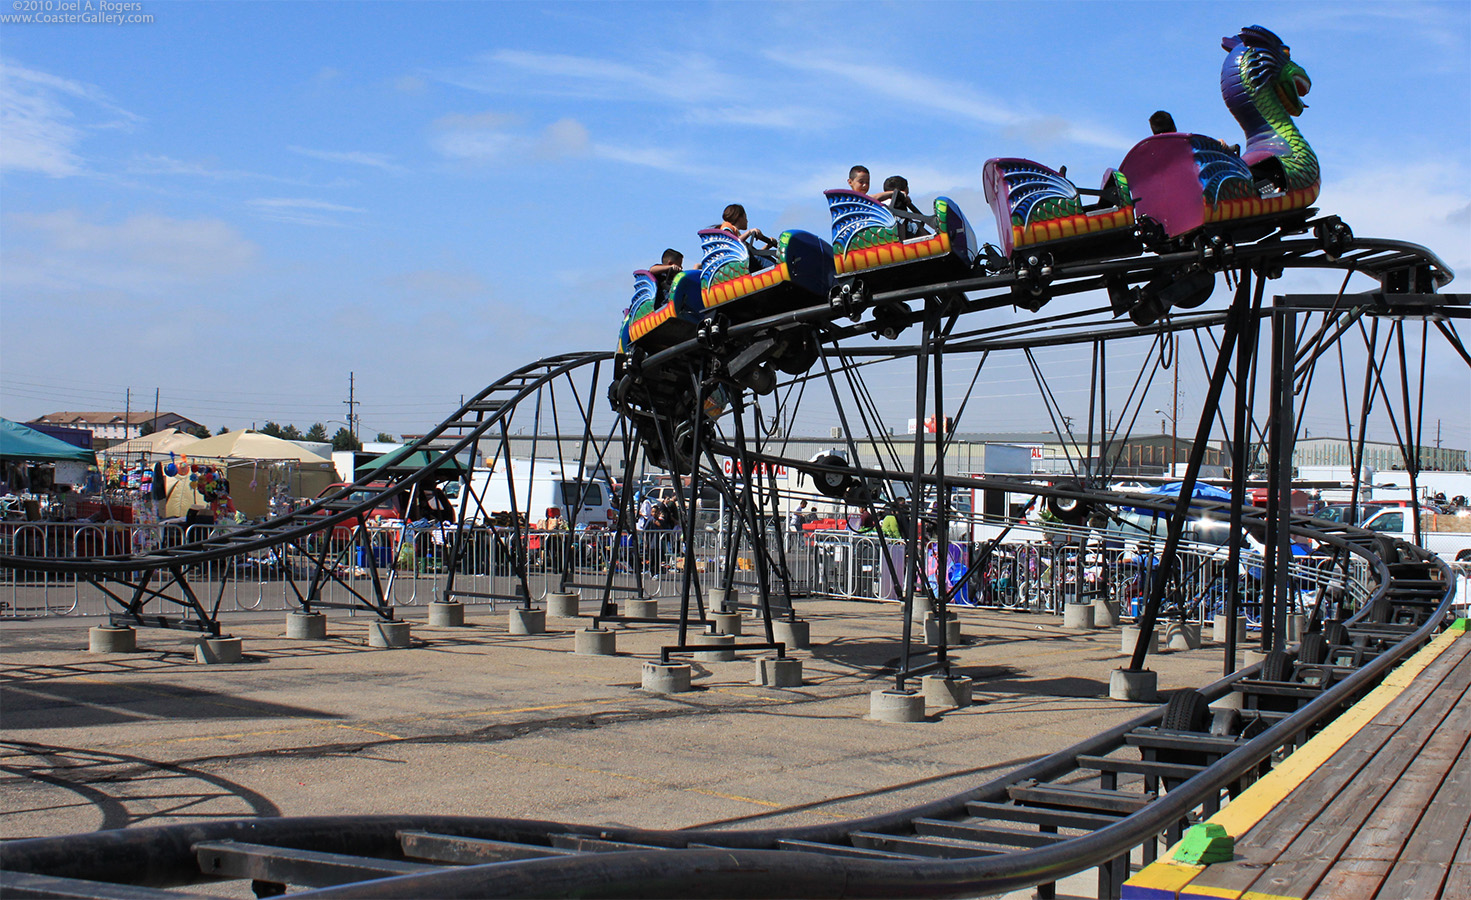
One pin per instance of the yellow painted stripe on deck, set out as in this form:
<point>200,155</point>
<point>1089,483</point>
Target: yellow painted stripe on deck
<point>1242,814</point>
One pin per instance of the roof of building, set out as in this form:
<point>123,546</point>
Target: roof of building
<point>106,418</point>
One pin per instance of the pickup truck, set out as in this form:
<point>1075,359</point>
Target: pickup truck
<point>1447,536</point>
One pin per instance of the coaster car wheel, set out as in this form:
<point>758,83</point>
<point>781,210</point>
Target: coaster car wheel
<point>1071,510</point>
<point>829,483</point>
<point>800,354</point>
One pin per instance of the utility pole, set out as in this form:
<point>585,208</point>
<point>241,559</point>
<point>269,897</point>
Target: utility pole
<point>128,415</point>
<point>352,403</point>
<point>155,408</point>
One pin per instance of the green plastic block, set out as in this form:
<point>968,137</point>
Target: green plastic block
<point>1204,844</point>
<point>1462,625</point>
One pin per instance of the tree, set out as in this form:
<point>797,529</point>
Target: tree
<point>271,429</point>
<point>200,431</point>
<point>386,438</point>
<point>318,433</point>
<point>290,433</point>
<point>224,429</point>
<point>344,440</point>
<point>147,428</point>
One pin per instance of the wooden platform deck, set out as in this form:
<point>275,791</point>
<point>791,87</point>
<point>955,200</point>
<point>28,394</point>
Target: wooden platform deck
<point>1377,805</point>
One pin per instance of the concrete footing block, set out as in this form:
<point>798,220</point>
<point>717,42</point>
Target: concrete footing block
<point>922,607</point>
<point>947,690</point>
<point>1129,637</point>
<point>218,651</point>
<point>797,635</point>
<point>641,608</point>
<point>388,635</point>
<point>1132,686</point>
<point>896,706</point>
<point>1078,616</point>
<point>777,672</point>
<point>952,630</point>
<point>666,678</point>
<point>1219,626</point>
<point>727,623</point>
<point>564,605</point>
<point>722,647</point>
<point>107,639</point>
<point>1297,625</point>
<point>446,614</point>
<point>1105,613</point>
<point>1251,657</point>
<point>595,642</point>
<point>721,600</point>
<point>303,626</point>
<point>527,621</point>
<point>1181,636</point>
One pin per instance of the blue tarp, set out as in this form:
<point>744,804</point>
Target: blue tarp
<point>1202,492</point>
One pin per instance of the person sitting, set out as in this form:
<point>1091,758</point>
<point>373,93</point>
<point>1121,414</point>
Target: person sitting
<point>896,191</point>
<point>1162,123</point>
<point>734,221</point>
<point>670,264</point>
<point>858,179</point>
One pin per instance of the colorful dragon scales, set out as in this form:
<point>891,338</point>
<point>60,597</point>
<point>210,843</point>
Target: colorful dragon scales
<point>1277,172</point>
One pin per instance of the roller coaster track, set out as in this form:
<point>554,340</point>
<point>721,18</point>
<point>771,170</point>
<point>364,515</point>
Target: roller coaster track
<point>1033,826</point>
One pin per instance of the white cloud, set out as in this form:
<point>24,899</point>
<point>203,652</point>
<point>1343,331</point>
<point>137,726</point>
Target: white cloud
<point>410,84</point>
<point>439,284</point>
<point>1425,202</point>
<point>154,164</point>
<point>301,211</point>
<point>355,157</point>
<point>39,128</point>
<point>143,255</point>
<point>682,78</point>
<point>300,203</point>
<point>910,90</point>
<point>494,137</point>
<point>564,137</point>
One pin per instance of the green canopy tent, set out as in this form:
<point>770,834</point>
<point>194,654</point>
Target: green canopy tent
<point>19,443</point>
<point>401,463</point>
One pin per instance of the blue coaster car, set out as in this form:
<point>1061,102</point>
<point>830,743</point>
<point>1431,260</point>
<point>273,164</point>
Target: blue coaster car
<point>746,284</point>
<point>890,249</point>
<point>654,321</point>
<point>1189,182</point>
<point>1037,208</point>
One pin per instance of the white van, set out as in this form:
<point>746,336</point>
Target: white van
<point>541,484</point>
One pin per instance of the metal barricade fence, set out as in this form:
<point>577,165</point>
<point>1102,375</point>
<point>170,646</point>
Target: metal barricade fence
<point>1032,574</point>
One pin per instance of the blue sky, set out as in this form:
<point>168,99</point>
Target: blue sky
<point>239,203</point>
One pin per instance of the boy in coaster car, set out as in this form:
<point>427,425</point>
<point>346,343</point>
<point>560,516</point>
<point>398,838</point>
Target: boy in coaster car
<point>912,222</point>
<point>670,264</point>
<point>734,221</point>
<point>888,242</point>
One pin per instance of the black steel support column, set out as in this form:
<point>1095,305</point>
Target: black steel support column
<point>1192,474</point>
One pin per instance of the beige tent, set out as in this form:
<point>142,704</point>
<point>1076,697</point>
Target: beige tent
<point>159,443</point>
<point>255,465</point>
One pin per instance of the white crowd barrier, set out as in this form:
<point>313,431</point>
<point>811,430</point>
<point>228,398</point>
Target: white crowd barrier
<point>1029,570</point>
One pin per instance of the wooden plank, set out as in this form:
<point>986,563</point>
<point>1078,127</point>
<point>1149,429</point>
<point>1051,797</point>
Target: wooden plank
<point>1458,879</point>
<point>1365,845</point>
<point>1357,878</point>
<point>1433,844</point>
<point>1265,800</point>
<point>1415,754</point>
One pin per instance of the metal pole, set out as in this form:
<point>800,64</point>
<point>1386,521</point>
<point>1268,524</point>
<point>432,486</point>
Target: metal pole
<point>1187,488</point>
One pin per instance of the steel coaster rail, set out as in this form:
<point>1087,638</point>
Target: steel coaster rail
<point>328,511</point>
<point>617,862</point>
